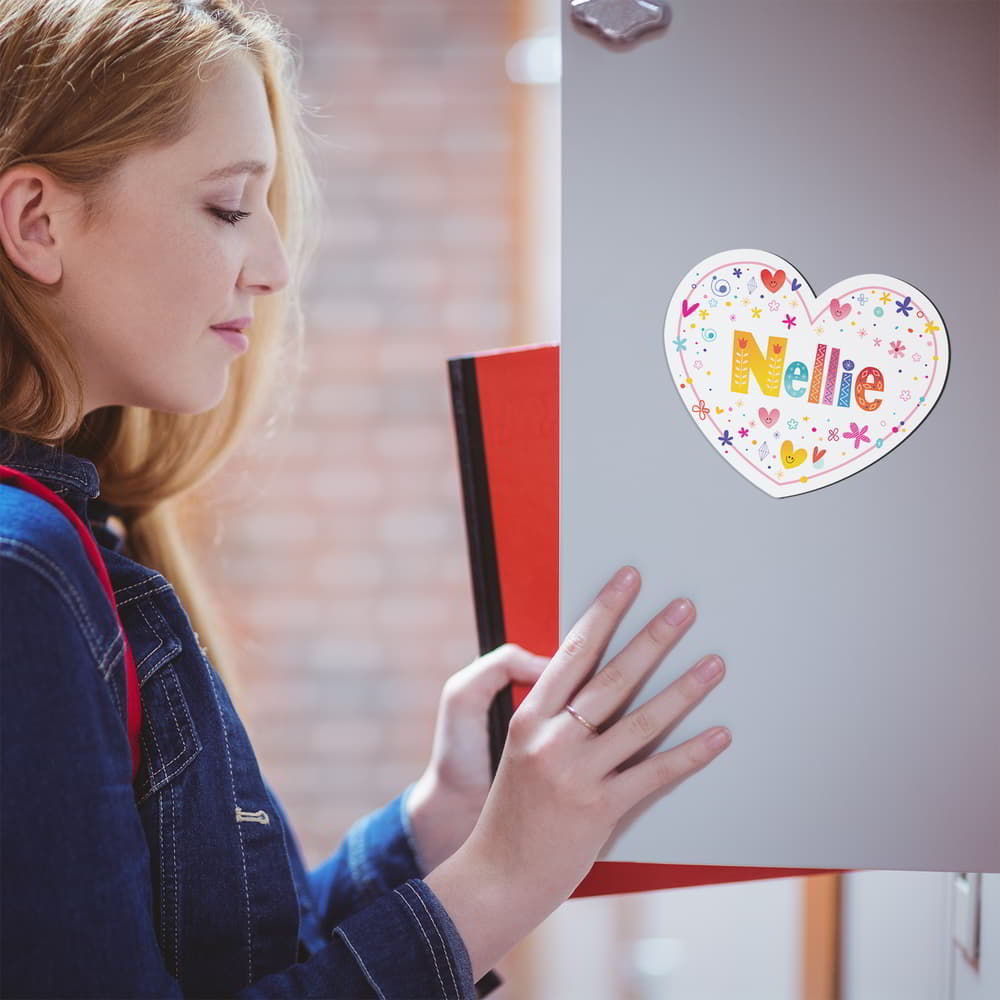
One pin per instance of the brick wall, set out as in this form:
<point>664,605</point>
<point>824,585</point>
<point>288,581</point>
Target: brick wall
<point>347,566</point>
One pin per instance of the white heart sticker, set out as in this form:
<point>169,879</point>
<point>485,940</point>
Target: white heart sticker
<point>797,391</point>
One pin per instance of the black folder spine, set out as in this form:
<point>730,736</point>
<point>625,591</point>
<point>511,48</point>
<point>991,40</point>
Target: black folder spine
<point>479,534</point>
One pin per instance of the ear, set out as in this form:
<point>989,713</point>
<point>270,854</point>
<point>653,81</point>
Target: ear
<point>34,221</point>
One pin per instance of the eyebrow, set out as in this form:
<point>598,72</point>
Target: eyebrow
<point>255,167</point>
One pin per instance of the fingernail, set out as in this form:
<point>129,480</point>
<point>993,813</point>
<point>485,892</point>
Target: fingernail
<point>710,669</point>
<point>718,739</point>
<point>679,611</point>
<point>624,578</point>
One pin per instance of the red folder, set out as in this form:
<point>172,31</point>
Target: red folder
<point>505,405</point>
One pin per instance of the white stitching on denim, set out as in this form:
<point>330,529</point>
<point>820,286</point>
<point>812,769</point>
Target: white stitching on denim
<point>56,474</point>
<point>146,754</point>
<point>68,592</point>
<point>159,755</point>
<point>151,629</point>
<point>454,981</point>
<point>239,829</point>
<point>119,657</point>
<point>153,772</point>
<point>188,751</point>
<point>163,877</point>
<point>184,743</point>
<point>170,704</point>
<point>182,701</point>
<point>364,968</point>
<point>177,770</point>
<point>147,582</point>
<point>427,940</point>
<point>163,766</point>
<point>166,693</point>
<point>110,654</point>
<point>132,586</point>
<point>164,928</point>
<point>177,885</point>
<point>139,597</point>
<point>260,816</point>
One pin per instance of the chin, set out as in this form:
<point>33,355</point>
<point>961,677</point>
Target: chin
<point>187,402</point>
<point>209,404</point>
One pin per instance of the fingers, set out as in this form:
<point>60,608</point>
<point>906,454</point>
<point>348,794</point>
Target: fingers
<point>618,680</point>
<point>647,722</point>
<point>584,644</point>
<point>667,769</point>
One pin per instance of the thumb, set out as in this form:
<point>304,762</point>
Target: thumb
<point>511,662</point>
<point>473,688</point>
<point>493,671</point>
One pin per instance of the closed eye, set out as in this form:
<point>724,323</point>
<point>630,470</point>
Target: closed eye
<point>231,217</point>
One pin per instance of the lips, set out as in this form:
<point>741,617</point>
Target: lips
<point>233,324</point>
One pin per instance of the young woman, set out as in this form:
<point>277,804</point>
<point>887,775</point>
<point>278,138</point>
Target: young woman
<point>153,187</point>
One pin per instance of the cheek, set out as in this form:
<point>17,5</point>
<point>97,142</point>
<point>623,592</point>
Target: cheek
<point>193,253</point>
<point>163,274</point>
<point>189,272</point>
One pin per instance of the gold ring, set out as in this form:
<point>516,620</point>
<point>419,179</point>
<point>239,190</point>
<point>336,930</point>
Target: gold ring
<point>579,718</point>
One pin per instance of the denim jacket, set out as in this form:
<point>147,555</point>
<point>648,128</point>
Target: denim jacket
<point>189,882</point>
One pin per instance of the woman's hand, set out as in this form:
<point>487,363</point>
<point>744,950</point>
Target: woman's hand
<point>445,804</point>
<point>561,788</point>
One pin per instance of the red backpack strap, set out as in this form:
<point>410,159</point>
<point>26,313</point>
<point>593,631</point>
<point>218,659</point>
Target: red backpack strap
<point>13,477</point>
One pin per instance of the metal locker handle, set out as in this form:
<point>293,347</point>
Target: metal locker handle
<point>966,891</point>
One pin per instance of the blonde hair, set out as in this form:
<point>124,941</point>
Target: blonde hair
<point>85,83</point>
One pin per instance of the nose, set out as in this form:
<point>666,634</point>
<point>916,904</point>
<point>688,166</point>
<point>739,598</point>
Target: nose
<point>266,270</point>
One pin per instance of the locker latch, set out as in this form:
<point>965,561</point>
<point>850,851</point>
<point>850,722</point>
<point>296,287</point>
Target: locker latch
<point>966,891</point>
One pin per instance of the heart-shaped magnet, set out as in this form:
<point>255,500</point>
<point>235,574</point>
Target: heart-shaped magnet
<point>795,390</point>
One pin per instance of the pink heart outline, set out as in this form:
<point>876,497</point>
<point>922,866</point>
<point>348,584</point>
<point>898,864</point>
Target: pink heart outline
<point>688,310</point>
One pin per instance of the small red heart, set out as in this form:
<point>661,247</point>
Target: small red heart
<point>772,281</point>
<point>818,453</point>
<point>687,310</point>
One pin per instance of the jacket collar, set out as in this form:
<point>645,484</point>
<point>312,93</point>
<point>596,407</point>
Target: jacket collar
<point>71,477</point>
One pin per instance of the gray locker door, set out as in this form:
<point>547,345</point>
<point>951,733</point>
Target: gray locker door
<point>857,621</point>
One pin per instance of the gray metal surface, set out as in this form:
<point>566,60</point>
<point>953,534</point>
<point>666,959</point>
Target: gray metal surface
<point>858,620</point>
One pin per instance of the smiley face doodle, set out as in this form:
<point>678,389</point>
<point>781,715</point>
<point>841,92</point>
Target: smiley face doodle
<point>792,456</point>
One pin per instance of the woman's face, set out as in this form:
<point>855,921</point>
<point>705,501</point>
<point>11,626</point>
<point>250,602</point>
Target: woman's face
<point>141,290</point>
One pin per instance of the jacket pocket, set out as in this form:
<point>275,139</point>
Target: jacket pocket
<point>168,738</point>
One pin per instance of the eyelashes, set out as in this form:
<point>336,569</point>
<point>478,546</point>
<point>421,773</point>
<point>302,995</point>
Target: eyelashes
<point>231,217</point>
